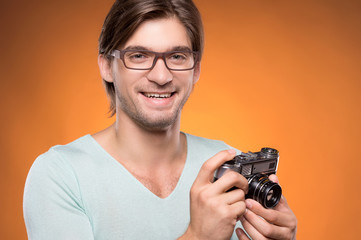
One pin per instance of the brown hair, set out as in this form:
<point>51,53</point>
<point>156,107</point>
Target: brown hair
<point>125,16</point>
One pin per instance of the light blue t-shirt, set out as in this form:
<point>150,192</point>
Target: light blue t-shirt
<point>78,191</point>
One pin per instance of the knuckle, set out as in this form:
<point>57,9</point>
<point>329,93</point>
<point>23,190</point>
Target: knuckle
<point>214,205</point>
<point>234,176</point>
<point>288,235</point>
<point>272,218</point>
<point>242,208</point>
<point>208,166</point>
<point>268,231</point>
<point>202,198</point>
<point>198,194</point>
<point>293,223</point>
<point>238,180</point>
<point>241,194</point>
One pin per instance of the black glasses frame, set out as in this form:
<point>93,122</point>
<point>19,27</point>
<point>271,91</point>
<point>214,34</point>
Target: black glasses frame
<point>120,54</point>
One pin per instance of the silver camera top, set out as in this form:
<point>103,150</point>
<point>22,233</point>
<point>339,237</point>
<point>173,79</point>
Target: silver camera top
<point>251,163</point>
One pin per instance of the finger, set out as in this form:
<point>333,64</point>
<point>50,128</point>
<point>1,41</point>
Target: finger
<point>238,209</point>
<point>274,178</point>
<point>229,180</point>
<point>251,230</point>
<point>241,234</point>
<point>265,228</point>
<point>233,196</point>
<point>282,206</point>
<point>282,215</point>
<point>207,170</point>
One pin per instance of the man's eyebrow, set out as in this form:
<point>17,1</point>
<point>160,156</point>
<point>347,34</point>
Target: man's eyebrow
<point>142,48</point>
<point>181,49</point>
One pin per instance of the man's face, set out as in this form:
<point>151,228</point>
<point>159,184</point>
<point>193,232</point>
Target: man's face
<point>153,99</point>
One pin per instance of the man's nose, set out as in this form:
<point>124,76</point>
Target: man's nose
<point>160,74</point>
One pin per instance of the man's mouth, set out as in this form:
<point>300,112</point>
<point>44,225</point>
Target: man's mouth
<point>157,95</point>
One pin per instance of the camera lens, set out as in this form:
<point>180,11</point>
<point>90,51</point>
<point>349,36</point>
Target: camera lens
<point>264,190</point>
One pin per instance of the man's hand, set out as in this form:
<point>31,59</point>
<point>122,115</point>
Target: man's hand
<point>214,211</point>
<point>261,223</point>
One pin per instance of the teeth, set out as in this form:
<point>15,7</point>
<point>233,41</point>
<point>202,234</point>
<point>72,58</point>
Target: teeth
<point>156,95</point>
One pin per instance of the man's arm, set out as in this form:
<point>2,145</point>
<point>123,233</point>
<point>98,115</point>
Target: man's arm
<point>53,206</point>
<point>214,211</point>
<point>261,223</point>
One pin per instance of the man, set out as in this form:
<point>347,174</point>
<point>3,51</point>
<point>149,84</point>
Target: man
<point>142,178</point>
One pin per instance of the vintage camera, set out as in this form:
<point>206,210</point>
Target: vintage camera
<point>256,167</point>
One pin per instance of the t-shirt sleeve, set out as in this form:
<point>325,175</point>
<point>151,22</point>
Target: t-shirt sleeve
<point>52,203</point>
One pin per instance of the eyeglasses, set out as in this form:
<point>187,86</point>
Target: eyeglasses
<point>146,60</point>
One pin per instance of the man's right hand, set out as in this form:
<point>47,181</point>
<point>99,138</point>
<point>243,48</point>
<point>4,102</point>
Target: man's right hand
<point>214,211</point>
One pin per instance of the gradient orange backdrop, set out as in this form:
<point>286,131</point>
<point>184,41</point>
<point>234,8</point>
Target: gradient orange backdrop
<point>284,74</point>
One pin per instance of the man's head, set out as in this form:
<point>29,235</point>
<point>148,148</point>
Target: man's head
<point>126,16</point>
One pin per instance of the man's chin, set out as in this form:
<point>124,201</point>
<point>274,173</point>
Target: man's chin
<point>157,125</point>
<point>153,120</point>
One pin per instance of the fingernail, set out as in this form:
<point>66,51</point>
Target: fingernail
<point>248,204</point>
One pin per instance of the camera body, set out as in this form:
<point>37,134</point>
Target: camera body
<point>256,167</point>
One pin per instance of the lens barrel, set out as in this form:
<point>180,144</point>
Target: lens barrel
<point>263,190</point>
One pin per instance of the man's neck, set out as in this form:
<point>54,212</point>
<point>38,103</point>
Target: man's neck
<point>155,158</point>
<point>133,145</point>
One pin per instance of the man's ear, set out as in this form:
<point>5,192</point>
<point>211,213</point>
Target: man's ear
<point>197,72</point>
<point>105,69</point>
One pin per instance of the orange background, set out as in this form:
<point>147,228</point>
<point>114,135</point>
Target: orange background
<point>278,73</point>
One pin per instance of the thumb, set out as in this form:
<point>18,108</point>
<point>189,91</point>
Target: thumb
<point>274,178</point>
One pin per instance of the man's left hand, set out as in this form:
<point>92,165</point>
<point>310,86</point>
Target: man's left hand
<point>261,223</point>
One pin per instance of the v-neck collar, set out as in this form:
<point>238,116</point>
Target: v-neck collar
<point>132,178</point>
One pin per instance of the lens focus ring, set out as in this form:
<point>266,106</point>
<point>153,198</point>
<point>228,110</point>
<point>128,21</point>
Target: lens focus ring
<point>263,190</point>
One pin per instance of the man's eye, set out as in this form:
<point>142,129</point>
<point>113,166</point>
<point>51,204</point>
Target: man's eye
<point>178,56</point>
<point>137,56</point>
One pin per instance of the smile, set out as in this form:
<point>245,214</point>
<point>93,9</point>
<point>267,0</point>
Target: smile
<point>157,95</point>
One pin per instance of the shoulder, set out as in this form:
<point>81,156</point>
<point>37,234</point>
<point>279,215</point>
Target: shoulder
<point>201,143</point>
<point>60,159</point>
<point>80,147</point>
<point>53,174</point>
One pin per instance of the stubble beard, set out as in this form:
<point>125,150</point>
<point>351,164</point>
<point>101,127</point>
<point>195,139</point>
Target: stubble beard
<point>144,120</point>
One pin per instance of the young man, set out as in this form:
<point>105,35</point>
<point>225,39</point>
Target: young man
<point>142,178</point>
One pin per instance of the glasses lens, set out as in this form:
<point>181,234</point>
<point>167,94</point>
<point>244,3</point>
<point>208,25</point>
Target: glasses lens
<point>180,60</point>
<point>138,59</point>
